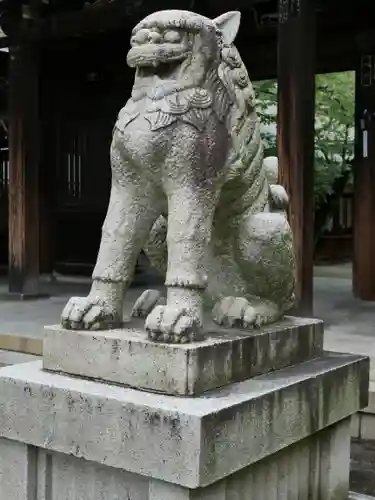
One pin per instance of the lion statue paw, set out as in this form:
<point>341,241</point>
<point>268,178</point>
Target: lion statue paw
<point>239,312</point>
<point>90,313</point>
<point>173,324</point>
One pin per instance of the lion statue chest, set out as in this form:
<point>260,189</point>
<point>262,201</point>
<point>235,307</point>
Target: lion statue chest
<point>151,132</point>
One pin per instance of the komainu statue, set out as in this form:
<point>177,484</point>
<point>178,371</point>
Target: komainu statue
<point>191,187</point>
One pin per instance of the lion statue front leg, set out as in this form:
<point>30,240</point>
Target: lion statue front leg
<point>191,206</point>
<point>132,210</point>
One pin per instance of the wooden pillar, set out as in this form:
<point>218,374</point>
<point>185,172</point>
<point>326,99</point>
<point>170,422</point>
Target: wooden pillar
<point>364,181</point>
<point>296,111</point>
<point>24,170</point>
<point>47,166</point>
<point>47,200</point>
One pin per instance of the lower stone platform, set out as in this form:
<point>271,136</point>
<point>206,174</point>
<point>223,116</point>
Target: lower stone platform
<point>300,472</point>
<point>126,356</point>
<point>283,435</point>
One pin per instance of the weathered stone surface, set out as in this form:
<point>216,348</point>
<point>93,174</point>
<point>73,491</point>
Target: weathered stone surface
<point>359,496</point>
<point>225,356</point>
<point>187,161</point>
<point>29,473</point>
<point>17,470</point>
<point>190,442</point>
<point>309,469</point>
<point>362,467</point>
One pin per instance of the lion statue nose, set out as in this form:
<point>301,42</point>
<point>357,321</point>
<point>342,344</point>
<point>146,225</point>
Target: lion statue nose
<point>154,37</point>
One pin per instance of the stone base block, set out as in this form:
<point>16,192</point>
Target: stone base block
<point>191,442</point>
<point>127,357</point>
<point>315,468</point>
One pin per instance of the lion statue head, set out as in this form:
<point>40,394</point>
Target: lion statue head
<point>175,50</point>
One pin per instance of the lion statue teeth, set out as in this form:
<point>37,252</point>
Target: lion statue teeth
<point>191,187</point>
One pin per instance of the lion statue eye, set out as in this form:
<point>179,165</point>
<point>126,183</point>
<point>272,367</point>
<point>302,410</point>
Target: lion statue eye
<point>141,36</point>
<point>172,36</point>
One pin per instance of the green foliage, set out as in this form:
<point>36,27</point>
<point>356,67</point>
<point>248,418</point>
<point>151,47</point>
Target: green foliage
<point>334,128</point>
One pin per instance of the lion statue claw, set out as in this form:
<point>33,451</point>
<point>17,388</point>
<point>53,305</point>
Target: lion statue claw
<point>191,187</point>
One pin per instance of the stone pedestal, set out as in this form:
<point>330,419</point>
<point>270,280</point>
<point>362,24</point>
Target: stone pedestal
<point>280,435</point>
<point>225,356</point>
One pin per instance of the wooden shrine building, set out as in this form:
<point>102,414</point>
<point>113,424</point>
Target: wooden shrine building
<point>66,78</point>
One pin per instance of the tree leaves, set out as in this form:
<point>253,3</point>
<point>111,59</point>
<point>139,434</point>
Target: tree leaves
<point>334,127</point>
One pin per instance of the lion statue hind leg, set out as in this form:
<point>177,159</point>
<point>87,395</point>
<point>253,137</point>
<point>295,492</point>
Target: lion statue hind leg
<point>264,253</point>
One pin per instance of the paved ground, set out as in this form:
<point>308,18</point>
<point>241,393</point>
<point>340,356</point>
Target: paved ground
<point>27,318</point>
<point>12,358</point>
<point>350,324</point>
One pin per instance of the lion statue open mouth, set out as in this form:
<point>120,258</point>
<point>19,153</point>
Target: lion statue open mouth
<point>190,186</point>
<point>151,49</point>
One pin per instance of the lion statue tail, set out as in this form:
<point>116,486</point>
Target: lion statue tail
<point>279,199</point>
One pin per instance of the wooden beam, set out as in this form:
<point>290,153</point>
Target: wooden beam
<point>334,53</point>
<point>93,19</point>
<point>110,15</point>
<point>296,107</point>
<point>107,15</point>
<point>364,181</point>
<point>24,167</point>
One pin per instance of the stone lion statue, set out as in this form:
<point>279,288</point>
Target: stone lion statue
<point>191,187</point>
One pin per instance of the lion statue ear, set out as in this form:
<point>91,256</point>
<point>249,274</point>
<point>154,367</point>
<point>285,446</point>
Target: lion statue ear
<point>228,24</point>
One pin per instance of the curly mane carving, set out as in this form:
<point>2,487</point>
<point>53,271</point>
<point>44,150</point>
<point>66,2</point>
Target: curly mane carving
<point>246,180</point>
